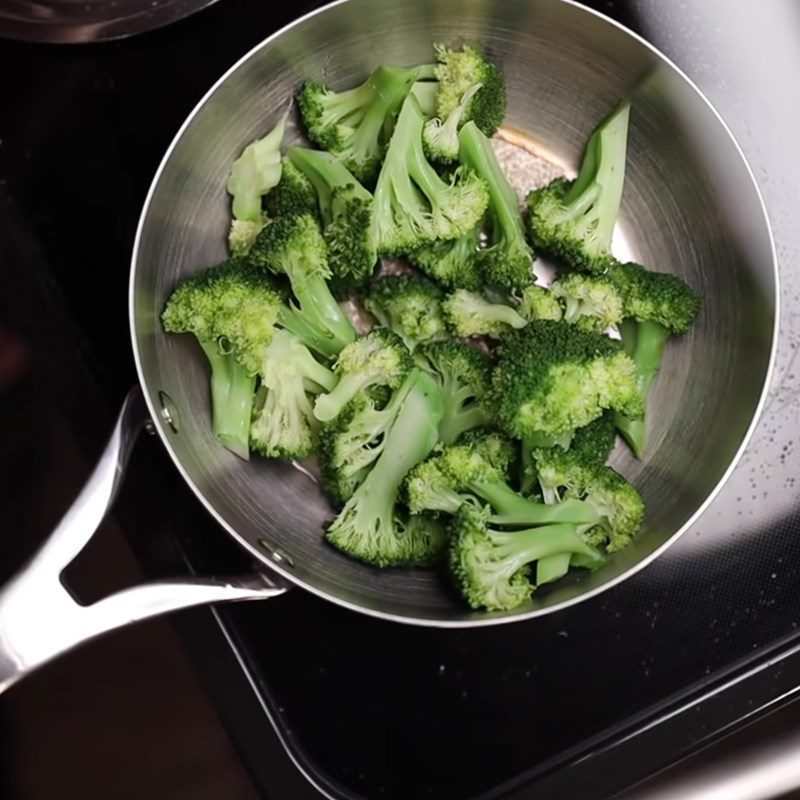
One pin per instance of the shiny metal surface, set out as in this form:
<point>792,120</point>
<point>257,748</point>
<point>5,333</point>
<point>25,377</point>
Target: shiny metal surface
<point>690,207</point>
<point>39,618</point>
<point>79,21</point>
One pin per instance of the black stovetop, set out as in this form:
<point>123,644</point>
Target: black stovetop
<point>369,708</point>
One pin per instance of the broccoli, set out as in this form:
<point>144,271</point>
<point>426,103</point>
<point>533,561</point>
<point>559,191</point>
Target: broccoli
<point>574,220</point>
<point>507,261</point>
<point>490,566</point>
<point>560,469</point>
<point>378,358</point>
<point>369,527</point>
<point>355,124</point>
<point>462,373</point>
<point>294,246</point>
<point>255,172</point>
<point>655,306</point>
<point>232,310</point>
<point>469,314</point>
<point>452,263</point>
<point>408,305</point>
<point>284,426</point>
<point>552,378</point>
<point>440,137</point>
<point>461,473</point>
<point>591,302</point>
<point>458,72</point>
<point>346,211</point>
<point>413,204</point>
<point>293,194</point>
<point>537,302</point>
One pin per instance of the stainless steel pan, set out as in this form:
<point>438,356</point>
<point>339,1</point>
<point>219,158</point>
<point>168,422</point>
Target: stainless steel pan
<point>691,207</point>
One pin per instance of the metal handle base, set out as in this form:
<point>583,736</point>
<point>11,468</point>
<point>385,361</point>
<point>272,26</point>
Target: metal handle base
<point>40,620</point>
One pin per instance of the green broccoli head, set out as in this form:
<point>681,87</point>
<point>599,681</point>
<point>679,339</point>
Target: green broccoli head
<point>294,246</point>
<point>440,137</point>
<point>351,442</point>
<point>620,506</point>
<point>346,212</point>
<point>292,195</point>
<point>590,302</point>
<point>538,302</point>
<point>453,263</point>
<point>408,305</point>
<point>655,297</point>
<point>369,527</point>
<point>484,570</point>
<point>458,72</point>
<point>284,426</point>
<point>570,469</point>
<point>470,314</point>
<point>574,220</point>
<point>462,373</point>
<point>233,301</point>
<point>355,124</point>
<point>378,358</point>
<point>552,378</point>
<point>507,261</point>
<point>413,204</point>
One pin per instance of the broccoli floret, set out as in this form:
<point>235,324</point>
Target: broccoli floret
<point>457,72</point>
<point>284,426</point>
<point>378,358</point>
<point>293,194</point>
<point>346,210</point>
<point>233,311</point>
<point>470,314</point>
<point>409,306</point>
<point>552,378</point>
<point>574,220</point>
<point>507,261</point>
<point>560,469</point>
<point>355,124</point>
<point>462,373</point>
<point>369,526</point>
<point>350,443</point>
<point>243,233</point>
<point>655,306</point>
<point>491,566</point>
<point>294,246</point>
<point>590,302</point>
<point>536,302</point>
<point>255,172</point>
<point>440,137</point>
<point>453,263</point>
<point>460,473</point>
<point>414,205</point>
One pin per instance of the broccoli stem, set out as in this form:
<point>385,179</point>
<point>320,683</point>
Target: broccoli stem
<point>601,177</point>
<point>552,568</point>
<point>476,151</point>
<point>232,392</point>
<point>320,315</point>
<point>328,406</point>
<point>458,418</point>
<point>649,341</point>
<point>514,509</point>
<point>522,547</point>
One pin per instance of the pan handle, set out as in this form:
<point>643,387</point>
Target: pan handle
<point>40,619</point>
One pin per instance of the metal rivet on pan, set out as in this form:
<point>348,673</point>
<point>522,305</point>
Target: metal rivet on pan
<point>169,412</point>
<point>278,556</point>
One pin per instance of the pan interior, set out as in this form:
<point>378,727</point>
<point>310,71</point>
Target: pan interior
<point>690,207</point>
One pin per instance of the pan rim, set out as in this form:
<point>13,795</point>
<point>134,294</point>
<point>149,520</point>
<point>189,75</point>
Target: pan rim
<point>479,620</point>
